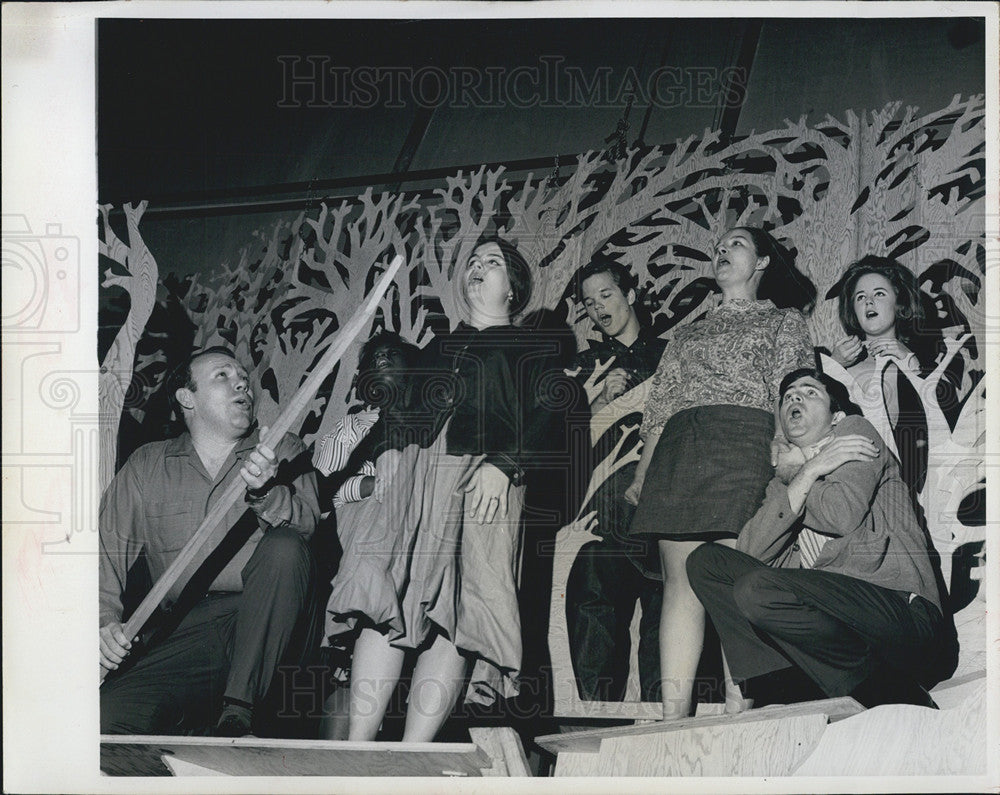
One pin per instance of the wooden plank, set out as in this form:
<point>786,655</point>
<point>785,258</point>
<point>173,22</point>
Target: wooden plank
<point>769,748</point>
<point>952,692</point>
<point>611,710</point>
<point>566,698</point>
<point>236,489</point>
<point>574,763</point>
<point>904,740</point>
<point>590,739</point>
<point>179,767</point>
<point>127,755</point>
<point>504,748</point>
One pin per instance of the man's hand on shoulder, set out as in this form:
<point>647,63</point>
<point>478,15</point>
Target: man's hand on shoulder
<point>851,447</point>
<point>787,459</point>
<point>114,645</point>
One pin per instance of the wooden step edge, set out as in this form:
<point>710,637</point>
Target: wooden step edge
<point>503,746</point>
<point>610,710</point>
<point>958,681</point>
<point>271,742</point>
<point>589,740</point>
<point>142,755</point>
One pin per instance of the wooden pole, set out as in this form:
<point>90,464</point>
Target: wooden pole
<point>235,490</point>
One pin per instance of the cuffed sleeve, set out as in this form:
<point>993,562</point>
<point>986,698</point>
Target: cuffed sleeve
<point>508,465</point>
<point>292,504</point>
<point>351,490</point>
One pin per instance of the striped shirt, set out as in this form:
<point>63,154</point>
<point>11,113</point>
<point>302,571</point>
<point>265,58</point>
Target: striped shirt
<point>810,542</point>
<point>335,449</point>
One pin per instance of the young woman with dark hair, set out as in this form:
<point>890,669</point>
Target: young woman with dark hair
<point>879,307</point>
<point>430,576</point>
<point>708,426</point>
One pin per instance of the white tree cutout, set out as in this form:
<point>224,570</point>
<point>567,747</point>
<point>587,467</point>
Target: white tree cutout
<point>955,461</point>
<point>117,367</point>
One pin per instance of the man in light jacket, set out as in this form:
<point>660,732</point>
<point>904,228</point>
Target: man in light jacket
<point>831,590</point>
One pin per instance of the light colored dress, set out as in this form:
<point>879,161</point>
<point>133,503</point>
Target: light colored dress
<point>414,564</point>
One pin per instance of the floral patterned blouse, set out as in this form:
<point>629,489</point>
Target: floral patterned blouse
<point>735,356</point>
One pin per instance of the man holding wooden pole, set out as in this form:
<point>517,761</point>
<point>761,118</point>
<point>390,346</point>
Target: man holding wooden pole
<point>243,598</point>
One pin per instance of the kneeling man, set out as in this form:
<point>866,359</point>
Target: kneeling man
<point>238,605</point>
<point>853,607</point>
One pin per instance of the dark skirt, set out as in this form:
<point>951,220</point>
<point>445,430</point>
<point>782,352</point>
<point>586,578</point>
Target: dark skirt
<point>708,474</point>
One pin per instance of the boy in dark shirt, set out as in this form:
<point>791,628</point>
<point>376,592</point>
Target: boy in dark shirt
<point>604,583</point>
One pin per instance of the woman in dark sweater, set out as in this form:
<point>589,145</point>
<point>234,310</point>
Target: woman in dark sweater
<point>432,577</point>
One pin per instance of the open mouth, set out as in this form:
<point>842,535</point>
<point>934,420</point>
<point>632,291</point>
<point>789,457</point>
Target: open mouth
<point>794,413</point>
<point>871,313</point>
<point>605,320</point>
<point>243,402</point>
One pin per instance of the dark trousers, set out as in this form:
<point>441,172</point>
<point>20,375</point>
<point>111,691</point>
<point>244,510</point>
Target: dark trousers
<point>227,645</point>
<point>837,629</point>
<point>601,593</point>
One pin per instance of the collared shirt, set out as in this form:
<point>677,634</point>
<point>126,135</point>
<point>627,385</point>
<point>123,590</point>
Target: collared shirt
<point>639,360</point>
<point>735,356</point>
<point>810,542</point>
<point>494,385</point>
<point>159,498</point>
<point>335,451</point>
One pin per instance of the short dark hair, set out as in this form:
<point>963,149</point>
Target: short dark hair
<point>390,340</point>
<point>180,377</point>
<point>518,271</point>
<point>619,274</point>
<point>840,399</point>
<point>909,309</point>
<point>782,282</point>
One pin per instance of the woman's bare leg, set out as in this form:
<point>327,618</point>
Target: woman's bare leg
<point>375,671</point>
<point>335,724</point>
<point>437,682</point>
<point>682,629</point>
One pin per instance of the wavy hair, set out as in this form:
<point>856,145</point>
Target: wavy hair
<point>909,310</point>
<point>782,282</point>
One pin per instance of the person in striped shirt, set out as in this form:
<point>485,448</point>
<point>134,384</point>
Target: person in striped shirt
<point>346,457</point>
<point>345,463</point>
